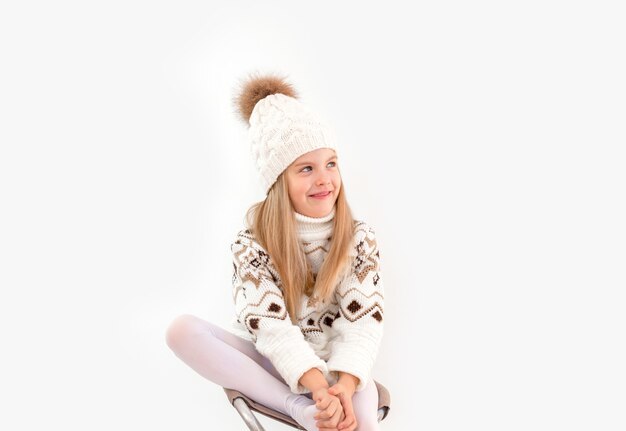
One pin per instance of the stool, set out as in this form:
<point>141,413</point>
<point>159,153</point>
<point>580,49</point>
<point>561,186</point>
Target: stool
<point>245,406</point>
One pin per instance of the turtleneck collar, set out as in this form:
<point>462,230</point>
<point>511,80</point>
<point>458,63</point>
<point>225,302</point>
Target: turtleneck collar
<point>314,228</point>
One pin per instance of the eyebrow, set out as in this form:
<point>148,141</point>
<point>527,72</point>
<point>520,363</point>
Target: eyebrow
<point>310,163</point>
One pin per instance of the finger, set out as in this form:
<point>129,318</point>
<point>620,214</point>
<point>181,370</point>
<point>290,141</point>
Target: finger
<point>330,411</point>
<point>347,425</point>
<point>350,428</point>
<point>337,420</point>
<point>333,419</point>
<point>335,391</point>
<point>328,423</point>
<point>347,421</point>
<point>325,414</point>
<point>348,408</point>
<point>322,414</point>
<point>349,411</point>
<point>337,417</point>
<point>323,403</point>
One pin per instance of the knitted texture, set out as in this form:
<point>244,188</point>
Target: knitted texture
<point>281,130</point>
<point>343,335</point>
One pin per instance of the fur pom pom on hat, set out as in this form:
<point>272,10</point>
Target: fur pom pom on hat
<point>281,128</point>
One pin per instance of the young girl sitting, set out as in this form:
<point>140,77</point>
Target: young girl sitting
<point>307,284</point>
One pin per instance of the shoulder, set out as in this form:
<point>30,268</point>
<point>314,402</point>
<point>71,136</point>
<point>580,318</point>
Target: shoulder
<point>364,240</point>
<point>245,246</point>
<point>363,231</point>
<point>245,238</point>
<point>249,257</point>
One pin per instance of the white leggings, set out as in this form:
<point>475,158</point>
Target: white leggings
<point>233,362</point>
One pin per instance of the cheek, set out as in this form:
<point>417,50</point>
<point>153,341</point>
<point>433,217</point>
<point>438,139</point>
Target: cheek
<point>299,190</point>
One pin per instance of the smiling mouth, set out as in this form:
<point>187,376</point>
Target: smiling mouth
<point>320,195</point>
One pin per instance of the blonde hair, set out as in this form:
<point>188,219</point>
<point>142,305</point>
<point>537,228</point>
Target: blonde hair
<point>273,224</point>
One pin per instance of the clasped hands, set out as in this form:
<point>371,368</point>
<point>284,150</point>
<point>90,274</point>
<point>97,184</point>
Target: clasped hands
<point>334,404</point>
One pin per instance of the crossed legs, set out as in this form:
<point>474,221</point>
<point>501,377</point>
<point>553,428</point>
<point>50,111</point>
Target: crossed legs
<point>233,362</point>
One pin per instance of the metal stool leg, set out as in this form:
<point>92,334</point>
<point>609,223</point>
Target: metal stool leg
<point>382,413</point>
<point>247,415</point>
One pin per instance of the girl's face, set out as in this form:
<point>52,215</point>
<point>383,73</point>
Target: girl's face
<point>310,174</point>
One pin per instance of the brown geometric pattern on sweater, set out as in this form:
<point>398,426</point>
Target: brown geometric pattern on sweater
<point>311,308</point>
<point>315,326</point>
<point>253,321</point>
<point>368,256</point>
<point>367,260</point>
<point>313,321</point>
<point>273,307</point>
<point>350,311</point>
<point>352,317</point>
<point>319,247</point>
<point>361,292</point>
<point>252,318</point>
<point>248,264</point>
<point>307,243</point>
<point>254,264</point>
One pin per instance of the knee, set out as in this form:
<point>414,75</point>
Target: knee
<point>179,330</point>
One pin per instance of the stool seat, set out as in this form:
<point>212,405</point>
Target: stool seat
<point>245,406</point>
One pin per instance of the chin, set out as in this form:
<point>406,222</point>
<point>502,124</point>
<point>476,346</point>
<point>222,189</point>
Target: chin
<point>324,213</point>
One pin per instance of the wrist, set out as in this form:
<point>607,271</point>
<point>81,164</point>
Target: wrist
<point>349,381</point>
<point>313,380</point>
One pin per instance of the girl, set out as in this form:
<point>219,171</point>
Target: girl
<point>306,279</point>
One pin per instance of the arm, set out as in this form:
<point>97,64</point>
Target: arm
<point>260,307</point>
<point>313,380</point>
<point>361,304</point>
<point>349,381</point>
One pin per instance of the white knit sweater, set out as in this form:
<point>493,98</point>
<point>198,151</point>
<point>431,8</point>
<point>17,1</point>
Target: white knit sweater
<point>343,335</point>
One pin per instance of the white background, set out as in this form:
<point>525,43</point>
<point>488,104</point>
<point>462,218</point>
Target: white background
<point>484,142</point>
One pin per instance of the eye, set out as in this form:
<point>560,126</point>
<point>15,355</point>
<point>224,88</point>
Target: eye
<point>303,169</point>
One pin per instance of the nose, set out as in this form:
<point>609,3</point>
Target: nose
<point>322,180</point>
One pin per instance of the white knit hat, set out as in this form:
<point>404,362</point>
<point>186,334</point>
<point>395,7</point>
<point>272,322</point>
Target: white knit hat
<point>281,127</point>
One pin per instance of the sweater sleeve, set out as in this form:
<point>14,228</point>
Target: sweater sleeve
<point>360,324</point>
<point>260,307</point>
